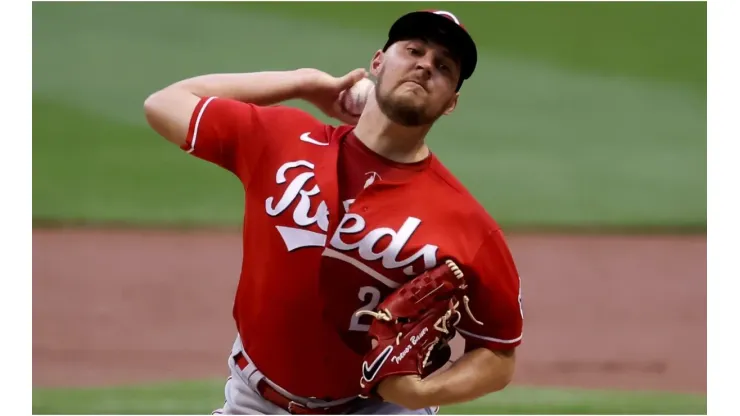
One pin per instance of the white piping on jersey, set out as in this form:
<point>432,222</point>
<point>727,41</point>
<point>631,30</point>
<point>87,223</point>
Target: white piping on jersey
<point>197,123</point>
<point>372,273</point>
<point>502,341</point>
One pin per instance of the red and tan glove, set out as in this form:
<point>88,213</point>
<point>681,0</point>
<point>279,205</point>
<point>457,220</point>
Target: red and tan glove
<point>413,325</point>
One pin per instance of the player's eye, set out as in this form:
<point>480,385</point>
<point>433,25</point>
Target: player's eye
<point>445,67</point>
<point>413,51</point>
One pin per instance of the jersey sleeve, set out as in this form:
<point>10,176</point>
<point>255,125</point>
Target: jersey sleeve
<point>495,298</point>
<point>234,135</point>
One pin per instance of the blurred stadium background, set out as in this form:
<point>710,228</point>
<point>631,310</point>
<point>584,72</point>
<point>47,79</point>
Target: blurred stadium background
<point>583,132</point>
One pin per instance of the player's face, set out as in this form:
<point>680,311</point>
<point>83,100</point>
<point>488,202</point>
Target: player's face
<point>416,82</point>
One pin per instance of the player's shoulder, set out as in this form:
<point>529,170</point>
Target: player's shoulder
<point>275,115</point>
<point>456,193</point>
<point>289,116</point>
<point>287,123</point>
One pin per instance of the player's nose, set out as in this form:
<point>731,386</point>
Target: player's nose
<point>425,63</point>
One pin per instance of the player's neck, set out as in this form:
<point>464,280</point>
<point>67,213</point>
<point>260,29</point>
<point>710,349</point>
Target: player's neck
<point>392,141</point>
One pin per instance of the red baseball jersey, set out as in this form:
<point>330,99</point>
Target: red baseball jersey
<point>330,228</point>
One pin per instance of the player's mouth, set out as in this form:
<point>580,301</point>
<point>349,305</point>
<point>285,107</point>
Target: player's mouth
<point>414,82</point>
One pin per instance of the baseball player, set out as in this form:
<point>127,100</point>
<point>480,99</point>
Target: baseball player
<point>362,254</point>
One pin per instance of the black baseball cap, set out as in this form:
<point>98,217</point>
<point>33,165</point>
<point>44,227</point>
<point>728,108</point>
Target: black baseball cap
<point>440,26</point>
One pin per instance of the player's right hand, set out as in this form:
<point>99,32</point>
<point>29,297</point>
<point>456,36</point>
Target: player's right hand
<point>324,91</point>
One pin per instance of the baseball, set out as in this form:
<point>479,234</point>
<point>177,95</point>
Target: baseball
<point>355,98</point>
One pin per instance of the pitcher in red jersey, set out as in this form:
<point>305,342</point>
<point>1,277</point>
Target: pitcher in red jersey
<point>336,218</point>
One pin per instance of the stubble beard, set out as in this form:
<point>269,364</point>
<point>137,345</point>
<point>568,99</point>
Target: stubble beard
<point>401,110</point>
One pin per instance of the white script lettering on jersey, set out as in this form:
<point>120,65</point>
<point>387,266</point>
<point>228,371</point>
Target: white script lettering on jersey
<point>299,237</point>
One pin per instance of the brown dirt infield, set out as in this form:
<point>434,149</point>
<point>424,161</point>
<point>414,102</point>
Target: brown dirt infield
<point>127,306</point>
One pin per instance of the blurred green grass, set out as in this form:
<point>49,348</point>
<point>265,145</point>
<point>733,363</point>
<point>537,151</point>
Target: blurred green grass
<point>202,397</point>
<point>580,114</point>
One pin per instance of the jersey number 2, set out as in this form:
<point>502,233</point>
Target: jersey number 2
<point>368,294</point>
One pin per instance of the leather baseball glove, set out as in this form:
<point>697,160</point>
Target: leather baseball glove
<point>413,325</point>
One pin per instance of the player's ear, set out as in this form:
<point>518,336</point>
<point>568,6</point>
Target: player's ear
<point>452,104</point>
<point>376,62</point>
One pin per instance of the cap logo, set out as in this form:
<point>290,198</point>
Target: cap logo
<point>448,15</point>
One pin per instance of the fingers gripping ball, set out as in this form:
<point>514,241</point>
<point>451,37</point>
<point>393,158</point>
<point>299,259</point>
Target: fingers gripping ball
<point>355,98</point>
<point>413,325</point>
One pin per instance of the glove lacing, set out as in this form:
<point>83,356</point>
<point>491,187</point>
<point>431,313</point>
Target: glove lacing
<point>383,315</point>
<point>441,324</point>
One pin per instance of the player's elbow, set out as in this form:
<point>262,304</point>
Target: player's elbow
<point>154,111</point>
<point>502,381</point>
<point>150,104</point>
<point>505,371</point>
<point>168,113</point>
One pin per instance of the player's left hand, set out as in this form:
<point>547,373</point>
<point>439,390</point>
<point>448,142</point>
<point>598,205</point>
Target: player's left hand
<point>411,331</point>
